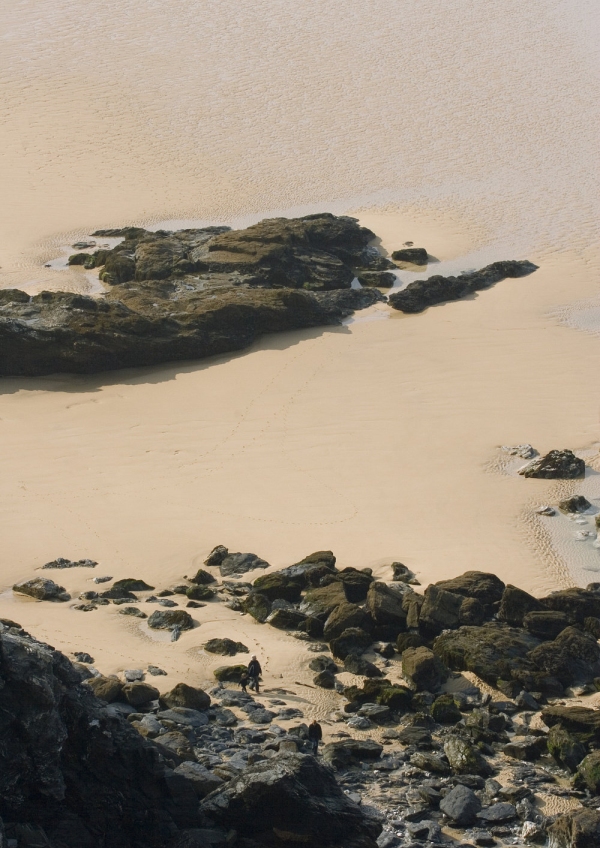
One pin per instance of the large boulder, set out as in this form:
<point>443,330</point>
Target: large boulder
<point>487,588</point>
<point>41,589</point>
<point>137,693</point>
<point>216,556</point>
<point>572,657</point>
<point>169,619</point>
<point>182,695</point>
<point>356,584</point>
<point>351,641</point>
<point>577,603</point>
<point>355,664</point>
<point>515,605</point>
<point>234,565</point>
<point>292,798</point>
<point>546,624</point>
<point>225,647</point>
<point>423,669</point>
<point>321,601</point>
<point>310,570</point>
<point>461,805</point>
<point>278,585</point>
<point>202,577</point>
<point>351,751</point>
<point>343,617</point>
<point>132,584</point>
<point>440,611</point>
<point>492,651</point>
<point>579,828</point>
<point>384,603</point>
<point>286,619</point>
<point>582,722</point>
<point>108,689</point>
<point>230,673</point>
<point>70,767</point>
<point>566,750</point>
<point>258,606</point>
<point>555,465</point>
<point>588,773</point>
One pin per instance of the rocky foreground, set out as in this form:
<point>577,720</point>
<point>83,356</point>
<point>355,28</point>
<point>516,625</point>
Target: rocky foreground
<point>195,293</point>
<point>462,723</point>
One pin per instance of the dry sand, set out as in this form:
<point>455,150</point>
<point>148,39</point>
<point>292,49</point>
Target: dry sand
<point>469,131</point>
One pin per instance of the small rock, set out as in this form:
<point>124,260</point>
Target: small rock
<point>524,451</point>
<point>555,465</point>
<point>83,657</point>
<point>498,813</point>
<point>545,510</point>
<point>42,589</point>
<point>132,674</point>
<point>156,671</point>
<point>461,805</point>
<point>137,694</point>
<point>101,579</point>
<point>575,504</point>
<point>134,611</point>
<point>169,619</point>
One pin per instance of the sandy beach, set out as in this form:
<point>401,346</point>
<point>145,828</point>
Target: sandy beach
<point>470,132</point>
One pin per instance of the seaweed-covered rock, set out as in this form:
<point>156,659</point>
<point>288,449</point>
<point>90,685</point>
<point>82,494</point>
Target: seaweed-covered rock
<point>286,619</point>
<point>423,669</point>
<point>572,657</point>
<point>414,255</point>
<point>278,585</point>
<point>445,711</point>
<point>42,589</point>
<point>582,722</point>
<point>464,758</point>
<point>183,695</point>
<point>322,600</point>
<point>225,647</point>
<point>168,619</point>
<point>487,588</point>
<point>578,603</point>
<point>440,611</point>
<point>138,693</point>
<point>293,798</point>
<point>515,605</point>
<point>343,617</point>
<point>216,556</point>
<point>472,612</point>
<point>351,751</point>
<point>566,750</point>
<point>588,773</point>
<point>351,641</point>
<point>230,673</point>
<point>356,583</point>
<point>258,606</point>
<point>199,592</point>
<point>108,689</point>
<point>579,828</point>
<point>419,295</point>
<point>202,577</point>
<point>555,465</point>
<point>546,624</point>
<point>396,697</point>
<point>358,665</point>
<point>384,603</point>
<point>132,584</point>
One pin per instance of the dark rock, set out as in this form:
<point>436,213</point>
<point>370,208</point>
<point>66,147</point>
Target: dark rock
<point>577,503</point>
<point>440,611</point>
<point>352,641</point>
<point>397,698</point>
<point>357,665</point>
<point>236,564</point>
<point>323,663</point>
<point>564,748</point>
<point>324,679</point>
<point>418,736</point>
<point>356,584</point>
<point>423,669</point>
<point>312,568</point>
<point>133,611</point>
<point>349,752</point>
<point>168,619</point>
<point>323,600</point>
<point>487,588</point>
<point>286,619</point>
<point>419,295</point>
<point>582,722</point>
<point>343,617</point>
<point>464,758</point>
<point>491,651</point>
<point>515,605</point>
<point>576,829</point>
<point>42,590</point>
<point>230,673</point>
<point>380,279</point>
<point>294,798</point>
<point>528,748</point>
<point>132,585</point>
<point>61,562</point>
<point>216,556</point>
<point>68,768</point>
<point>384,603</point>
<point>402,574</point>
<point>588,773</point>
<point>203,780</point>
<point>591,625</point>
<point>578,603</point>
<point>546,624</point>
<point>472,612</point>
<point>108,689</point>
<point>278,585</point>
<point>556,465</point>
<point>430,762</point>
<point>78,258</point>
<point>225,647</point>
<point>498,813</point>
<point>83,657</point>
<point>202,577</point>
<point>445,711</point>
<point>414,255</point>
<point>199,592</point>
<point>572,657</point>
<point>117,593</point>
<point>258,606</point>
<point>182,695</point>
<point>411,639</point>
<point>461,805</point>
<point>137,694</point>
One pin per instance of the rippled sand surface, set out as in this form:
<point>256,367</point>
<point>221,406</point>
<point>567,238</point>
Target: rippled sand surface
<point>468,127</point>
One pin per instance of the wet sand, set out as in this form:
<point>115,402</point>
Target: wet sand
<point>469,131</point>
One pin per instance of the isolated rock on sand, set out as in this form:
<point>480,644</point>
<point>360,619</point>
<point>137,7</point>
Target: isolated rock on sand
<point>419,295</point>
<point>555,465</point>
<point>168,619</point>
<point>225,647</point>
<point>199,592</point>
<point>132,584</point>
<point>202,577</point>
<point>295,798</point>
<point>182,695</point>
<point>133,611</point>
<point>216,556</point>
<point>325,679</point>
<point>577,503</point>
<point>414,255</point>
<point>230,673</point>
<point>237,564</point>
<point>61,562</point>
<point>42,589</point>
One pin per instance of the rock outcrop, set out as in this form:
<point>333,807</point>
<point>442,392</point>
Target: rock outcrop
<point>417,296</point>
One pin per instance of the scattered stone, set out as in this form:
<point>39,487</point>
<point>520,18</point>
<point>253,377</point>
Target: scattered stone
<point>349,752</point>
<point>352,641</point>
<point>555,465</point>
<point>358,665</point>
<point>430,762</point>
<point>116,593</point>
<point>84,607</point>
<point>230,673</point>
<point>564,748</point>
<point>498,814</point>
<point>42,590</point>
<point>101,579</point>
<point>545,510</point>
<point>156,671</point>
<point>132,674</point>
<point>203,780</point>
<point>61,562</point>
<point>258,606</point>
<point>325,680</point>
<point>182,695</point>
<point>199,592</point>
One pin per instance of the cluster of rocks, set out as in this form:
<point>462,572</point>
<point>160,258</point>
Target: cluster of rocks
<point>75,773</point>
<point>194,293</point>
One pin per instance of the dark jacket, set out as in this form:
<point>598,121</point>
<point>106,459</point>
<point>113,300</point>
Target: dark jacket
<point>315,732</point>
<point>254,669</point>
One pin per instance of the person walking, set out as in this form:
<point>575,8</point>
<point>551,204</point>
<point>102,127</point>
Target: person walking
<point>244,680</point>
<point>254,673</point>
<point>315,734</point>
